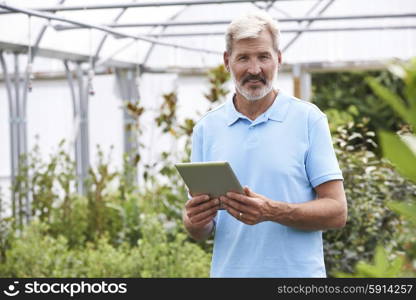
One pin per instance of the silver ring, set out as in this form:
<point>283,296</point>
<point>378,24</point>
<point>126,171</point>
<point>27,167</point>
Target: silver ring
<point>240,215</point>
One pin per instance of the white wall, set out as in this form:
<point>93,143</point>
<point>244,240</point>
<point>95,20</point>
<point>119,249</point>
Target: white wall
<point>106,120</point>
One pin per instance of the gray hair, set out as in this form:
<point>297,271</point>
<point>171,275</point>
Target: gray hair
<point>250,26</point>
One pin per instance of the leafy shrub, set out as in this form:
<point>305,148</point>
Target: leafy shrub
<point>402,153</point>
<point>348,92</point>
<point>370,183</point>
<point>71,221</point>
<point>102,259</point>
<point>35,253</point>
<point>347,98</point>
<point>162,257</point>
<point>38,254</point>
<point>381,266</point>
<point>32,253</point>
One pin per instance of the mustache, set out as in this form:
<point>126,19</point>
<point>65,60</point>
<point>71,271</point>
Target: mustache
<point>254,77</point>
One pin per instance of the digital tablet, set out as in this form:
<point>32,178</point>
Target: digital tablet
<point>214,178</point>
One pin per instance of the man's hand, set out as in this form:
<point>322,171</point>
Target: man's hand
<point>328,210</point>
<point>250,208</point>
<point>199,214</point>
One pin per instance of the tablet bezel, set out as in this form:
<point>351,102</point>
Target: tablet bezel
<point>214,178</point>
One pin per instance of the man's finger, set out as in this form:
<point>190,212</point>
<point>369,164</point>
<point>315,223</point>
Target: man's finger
<point>205,220</point>
<point>212,203</point>
<point>235,213</point>
<point>241,198</point>
<point>234,204</point>
<point>236,196</point>
<point>197,200</point>
<point>205,215</point>
<point>202,214</point>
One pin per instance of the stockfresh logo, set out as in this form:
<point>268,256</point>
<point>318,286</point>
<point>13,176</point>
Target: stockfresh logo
<point>69,288</point>
<point>12,290</point>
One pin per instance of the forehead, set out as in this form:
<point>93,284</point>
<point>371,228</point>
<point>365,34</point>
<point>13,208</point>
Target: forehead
<point>263,43</point>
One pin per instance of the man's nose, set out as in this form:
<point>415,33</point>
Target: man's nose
<point>254,67</point>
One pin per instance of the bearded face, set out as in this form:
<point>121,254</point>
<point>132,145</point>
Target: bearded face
<point>253,65</point>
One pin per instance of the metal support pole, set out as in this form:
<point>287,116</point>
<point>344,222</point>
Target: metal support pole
<point>18,131</point>
<point>302,83</point>
<point>129,93</point>
<point>296,80</point>
<point>23,139</point>
<point>12,128</point>
<point>17,101</point>
<point>305,85</point>
<point>76,135</point>
<point>81,130</point>
<point>83,134</point>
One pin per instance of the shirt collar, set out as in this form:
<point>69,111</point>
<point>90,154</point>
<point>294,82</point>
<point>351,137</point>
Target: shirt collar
<point>276,112</point>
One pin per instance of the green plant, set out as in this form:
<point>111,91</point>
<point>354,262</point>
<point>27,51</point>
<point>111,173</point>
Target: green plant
<point>380,267</point>
<point>119,228</point>
<point>100,212</point>
<point>369,183</point>
<point>218,77</point>
<point>35,253</point>
<point>167,118</point>
<point>164,256</point>
<point>71,220</point>
<point>403,156</point>
<point>352,136</point>
<point>348,97</point>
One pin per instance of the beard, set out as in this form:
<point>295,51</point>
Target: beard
<point>257,93</point>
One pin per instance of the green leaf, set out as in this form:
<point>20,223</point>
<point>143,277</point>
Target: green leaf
<point>381,267</point>
<point>380,259</point>
<point>410,79</point>
<point>393,100</point>
<point>399,153</point>
<point>407,210</point>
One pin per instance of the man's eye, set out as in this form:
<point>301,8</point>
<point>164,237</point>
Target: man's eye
<point>242,58</point>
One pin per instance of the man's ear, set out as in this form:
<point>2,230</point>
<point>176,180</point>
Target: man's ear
<point>279,57</point>
<point>226,60</point>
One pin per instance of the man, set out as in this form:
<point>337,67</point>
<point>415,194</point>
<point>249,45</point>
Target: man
<point>280,149</point>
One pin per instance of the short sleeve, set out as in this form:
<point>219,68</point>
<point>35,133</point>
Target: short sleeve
<point>321,161</point>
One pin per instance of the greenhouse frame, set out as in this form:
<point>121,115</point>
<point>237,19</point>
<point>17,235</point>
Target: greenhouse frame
<point>68,66</point>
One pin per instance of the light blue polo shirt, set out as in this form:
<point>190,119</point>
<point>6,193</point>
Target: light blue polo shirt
<point>283,155</point>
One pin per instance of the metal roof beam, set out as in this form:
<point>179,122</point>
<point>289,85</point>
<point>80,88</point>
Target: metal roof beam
<point>134,5</point>
<point>223,22</point>
<point>49,16</point>
<point>294,30</point>
<point>308,23</point>
<point>62,55</point>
